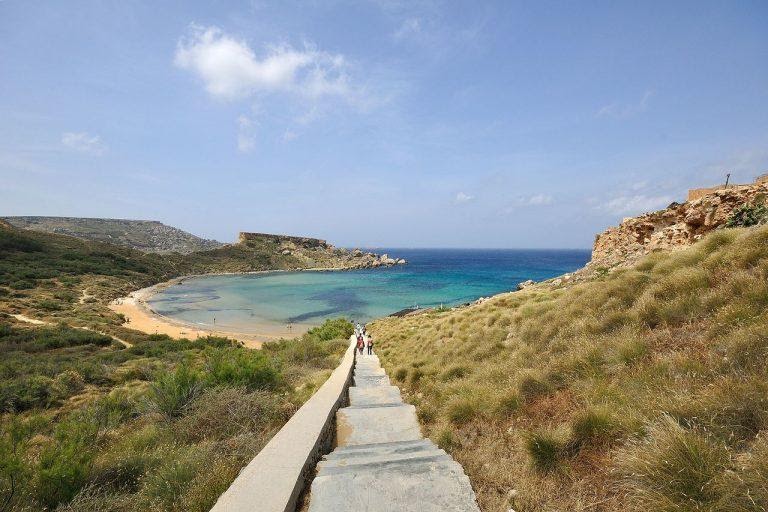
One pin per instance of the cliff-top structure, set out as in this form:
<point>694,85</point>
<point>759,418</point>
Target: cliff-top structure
<point>675,227</point>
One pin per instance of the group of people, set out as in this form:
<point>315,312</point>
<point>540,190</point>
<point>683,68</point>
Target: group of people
<point>364,340</point>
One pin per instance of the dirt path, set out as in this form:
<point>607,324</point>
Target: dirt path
<point>26,319</point>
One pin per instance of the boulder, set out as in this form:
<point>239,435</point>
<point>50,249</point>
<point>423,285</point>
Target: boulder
<point>525,284</point>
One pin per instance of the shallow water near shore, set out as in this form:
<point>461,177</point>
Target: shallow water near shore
<point>250,302</point>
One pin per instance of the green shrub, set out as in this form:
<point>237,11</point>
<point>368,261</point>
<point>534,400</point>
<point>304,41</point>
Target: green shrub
<point>172,392</point>
<point>223,413</point>
<point>65,463</point>
<point>332,329</point>
<point>66,384</point>
<point>236,367</point>
<point>25,393</point>
<point>747,215</point>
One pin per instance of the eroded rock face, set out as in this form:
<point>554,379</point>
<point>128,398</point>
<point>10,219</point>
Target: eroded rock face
<point>675,227</point>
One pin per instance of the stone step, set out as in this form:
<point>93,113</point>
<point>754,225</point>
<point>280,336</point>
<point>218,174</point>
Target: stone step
<point>373,461</point>
<point>368,381</point>
<point>367,366</point>
<point>428,486</point>
<point>364,450</point>
<point>374,396</point>
<point>376,425</point>
<point>369,372</point>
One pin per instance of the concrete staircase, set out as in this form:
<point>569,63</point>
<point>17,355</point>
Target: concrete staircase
<point>382,462</point>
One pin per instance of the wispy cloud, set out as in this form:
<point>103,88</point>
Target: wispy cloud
<point>625,110</point>
<point>83,142</point>
<point>246,136</point>
<point>463,197</point>
<point>538,200</point>
<point>409,27</point>
<point>635,204</point>
<point>230,69</point>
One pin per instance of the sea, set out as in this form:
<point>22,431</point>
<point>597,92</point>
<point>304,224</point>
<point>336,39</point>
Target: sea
<point>276,301</point>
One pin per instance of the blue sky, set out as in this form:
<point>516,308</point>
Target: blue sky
<point>378,123</point>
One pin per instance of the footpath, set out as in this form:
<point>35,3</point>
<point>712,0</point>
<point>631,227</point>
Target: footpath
<point>381,461</point>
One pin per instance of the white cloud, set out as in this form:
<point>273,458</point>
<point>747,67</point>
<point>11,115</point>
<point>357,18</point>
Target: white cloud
<point>463,197</point>
<point>246,137</point>
<point>289,135</point>
<point>230,69</point>
<point>83,142</point>
<point>623,111</point>
<point>636,204</point>
<point>538,199</point>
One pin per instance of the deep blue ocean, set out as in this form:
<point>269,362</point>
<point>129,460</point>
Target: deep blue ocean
<point>251,302</point>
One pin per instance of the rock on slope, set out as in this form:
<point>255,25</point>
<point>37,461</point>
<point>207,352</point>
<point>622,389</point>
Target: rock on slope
<point>675,227</point>
<point>144,235</point>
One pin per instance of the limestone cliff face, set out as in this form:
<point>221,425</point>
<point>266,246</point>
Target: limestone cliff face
<point>675,227</point>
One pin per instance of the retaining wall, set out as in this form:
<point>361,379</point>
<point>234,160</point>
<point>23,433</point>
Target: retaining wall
<point>275,478</point>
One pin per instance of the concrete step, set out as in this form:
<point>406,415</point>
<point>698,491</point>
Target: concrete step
<point>376,425</point>
<point>426,486</point>
<point>378,395</point>
<point>373,461</point>
<point>364,450</point>
<point>369,372</point>
<point>368,381</point>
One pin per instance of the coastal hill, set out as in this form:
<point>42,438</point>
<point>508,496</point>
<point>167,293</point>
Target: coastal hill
<point>143,235</point>
<point>642,386</point>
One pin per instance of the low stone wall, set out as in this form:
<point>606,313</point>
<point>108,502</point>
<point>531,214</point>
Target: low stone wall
<point>275,478</point>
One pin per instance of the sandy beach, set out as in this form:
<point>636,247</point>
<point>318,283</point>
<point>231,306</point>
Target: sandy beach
<point>141,317</point>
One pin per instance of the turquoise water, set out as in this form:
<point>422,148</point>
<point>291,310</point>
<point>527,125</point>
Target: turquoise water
<point>248,303</point>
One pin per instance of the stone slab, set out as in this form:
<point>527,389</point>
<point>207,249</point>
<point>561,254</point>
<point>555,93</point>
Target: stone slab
<point>368,381</point>
<point>417,487</point>
<point>378,395</point>
<point>376,425</point>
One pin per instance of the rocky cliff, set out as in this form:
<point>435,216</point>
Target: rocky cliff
<point>675,227</point>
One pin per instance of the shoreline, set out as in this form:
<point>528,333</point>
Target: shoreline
<point>141,317</point>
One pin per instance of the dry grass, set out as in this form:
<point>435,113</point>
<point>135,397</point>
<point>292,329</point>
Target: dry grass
<point>644,389</point>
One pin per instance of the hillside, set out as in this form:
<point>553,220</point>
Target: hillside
<point>56,277</point>
<point>142,235</point>
<point>88,422</point>
<point>641,389</point>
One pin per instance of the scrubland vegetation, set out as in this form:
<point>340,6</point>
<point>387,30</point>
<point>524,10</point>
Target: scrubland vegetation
<point>643,389</point>
<point>88,424</point>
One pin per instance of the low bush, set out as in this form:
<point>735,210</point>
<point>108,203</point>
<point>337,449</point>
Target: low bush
<point>171,392</point>
<point>252,369</point>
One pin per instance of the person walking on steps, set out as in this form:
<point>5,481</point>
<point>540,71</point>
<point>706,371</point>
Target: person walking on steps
<point>370,345</point>
<point>360,344</point>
